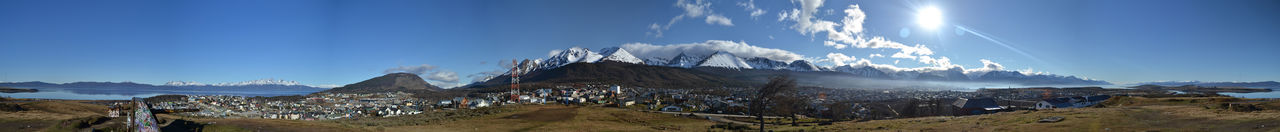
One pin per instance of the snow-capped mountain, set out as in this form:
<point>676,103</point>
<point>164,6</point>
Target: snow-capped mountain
<point>802,65</point>
<point>620,55</point>
<point>724,60</point>
<point>244,83</point>
<point>656,61</point>
<point>1015,76</point>
<point>184,83</point>
<point>766,63</point>
<point>524,67</point>
<point>862,71</point>
<point>684,60</point>
<point>571,55</point>
<point>260,82</point>
<point>952,74</point>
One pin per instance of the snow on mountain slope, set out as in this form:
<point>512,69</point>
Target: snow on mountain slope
<point>245,83</point>
<point>684,60</point>
<point>655,61</point>
<point>620,55</point>
<point>802,65</point>
<point>724,60</point>
<point>862,71</point>
<point>572,55</point>
<point>766,63</point>
<point>184,83</point>
<point>260,82</point>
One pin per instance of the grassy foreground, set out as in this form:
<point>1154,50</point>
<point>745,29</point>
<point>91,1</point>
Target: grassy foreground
<point>517,118</point>
<point>1119,114</point>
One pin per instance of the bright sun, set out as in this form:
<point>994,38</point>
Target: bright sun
<point>929,18</point>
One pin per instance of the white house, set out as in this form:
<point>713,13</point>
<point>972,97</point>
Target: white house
<point>1071,102</point>
<point>672,108</point>
<point>616,89</point>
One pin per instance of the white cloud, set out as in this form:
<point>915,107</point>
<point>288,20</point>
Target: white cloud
<point>937,62</point>
<point>549,54</point>
<point>987,66</point>
<point>740,49</point>
<point>902,55</point>
<point>806,23</point>
<point>719,20</point>
<point>833,45</point>
<point>839,59</point>
<point>696,8</point>
<point>1030,71</point>
<point>750,5</point>
<point>444,76</point>
<point>431,72</point>
<point>420,69</point>
<point>874,55</point>
<point>485,76</point>
<point>850,33</point>
<point>693,9</point>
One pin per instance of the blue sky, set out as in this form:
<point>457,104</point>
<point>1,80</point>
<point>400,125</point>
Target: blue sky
<point>320,42</point>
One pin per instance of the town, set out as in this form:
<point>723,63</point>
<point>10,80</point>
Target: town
<point>863,104</point>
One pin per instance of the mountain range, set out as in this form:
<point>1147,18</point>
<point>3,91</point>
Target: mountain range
<point>272,83</point>
<point>248,88</point>
<point>727,67</point>
<point>244,83</point>
<point>1261,84</point>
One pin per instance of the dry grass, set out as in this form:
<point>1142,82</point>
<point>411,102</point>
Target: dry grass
<point>570,118</point>
<point>48,115</point>
<point>215,124</point>
<point>1138,114</point>
<point>524,118</point>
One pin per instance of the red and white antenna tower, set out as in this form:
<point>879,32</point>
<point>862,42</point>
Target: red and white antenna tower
<point>515,81</point>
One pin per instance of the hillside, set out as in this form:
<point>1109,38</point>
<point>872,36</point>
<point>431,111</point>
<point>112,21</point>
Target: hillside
<point>620,73</point>
<point>1120,114</point>
<point>402,82</point>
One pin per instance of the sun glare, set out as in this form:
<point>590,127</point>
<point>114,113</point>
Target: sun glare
<point>929,18</point>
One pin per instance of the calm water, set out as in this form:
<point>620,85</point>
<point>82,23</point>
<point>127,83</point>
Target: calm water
<point>126,94</point>
<point>1272,94</point>
<point>63,94</point>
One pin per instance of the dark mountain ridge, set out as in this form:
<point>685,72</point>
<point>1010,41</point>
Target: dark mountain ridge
<point>394,82</point>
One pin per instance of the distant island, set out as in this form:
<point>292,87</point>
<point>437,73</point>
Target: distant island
<point>17,90</point>
<point>1202,89</point>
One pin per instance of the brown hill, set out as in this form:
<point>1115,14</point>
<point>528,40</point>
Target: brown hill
<point>401,82</point>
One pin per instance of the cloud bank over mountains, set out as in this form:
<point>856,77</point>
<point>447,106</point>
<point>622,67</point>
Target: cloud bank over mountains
<point>845,32</point>
<point>740,49</point>
<point>805,18</point>
<point>443,78</point>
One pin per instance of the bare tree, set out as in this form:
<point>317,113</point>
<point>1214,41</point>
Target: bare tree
<point>789,103</point>
<point>839,110</point>
<point>768,93</point>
